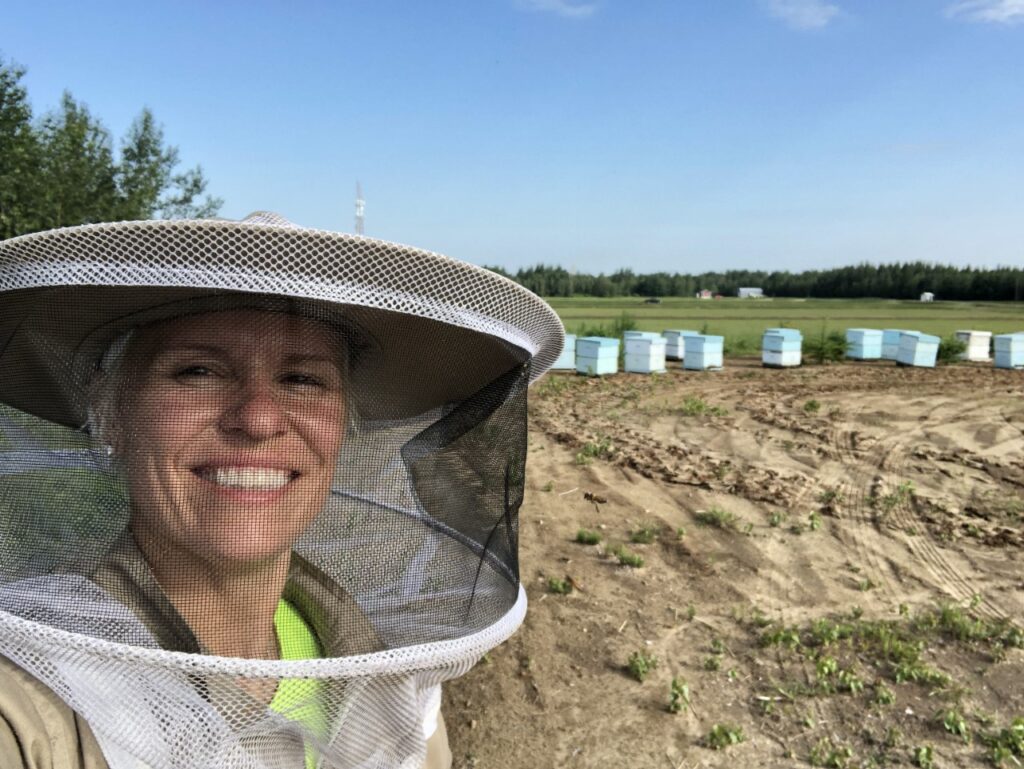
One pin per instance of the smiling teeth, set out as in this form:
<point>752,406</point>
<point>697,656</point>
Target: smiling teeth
<point>248,478</point>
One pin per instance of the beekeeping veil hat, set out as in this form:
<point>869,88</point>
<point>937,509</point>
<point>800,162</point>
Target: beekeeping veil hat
<point>404,571</point>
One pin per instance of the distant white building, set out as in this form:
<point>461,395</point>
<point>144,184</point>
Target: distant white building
<point>927,296</point>
<point>704,294</point>
<point>751,293</point>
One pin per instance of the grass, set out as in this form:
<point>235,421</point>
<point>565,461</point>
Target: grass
<point>742,322</point>
<point>644,534</point>
<point>698,407</point>
<point>587,537</point>
<point>626,558</point>
<point>600,449</point>
<point>718,518</point>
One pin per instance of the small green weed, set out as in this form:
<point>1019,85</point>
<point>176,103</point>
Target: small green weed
<point>953,721</point>
<point>601,449</point>
<point>549,486</point>
<point>698,407</point>
<point>678,696</point>
<point>641,664</point>
<point>717,517</point>
<point>644,534</point>
<point>812,406</point>
<point>559,586</point>
<point>884,695</point>
<point>588,537</point>
<point>722,736</point>
<point>924,757</point>
<point>626,558</point>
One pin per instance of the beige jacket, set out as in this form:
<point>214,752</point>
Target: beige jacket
<point>39,731</point>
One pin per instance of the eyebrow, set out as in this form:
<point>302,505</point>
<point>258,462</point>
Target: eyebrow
<point>289,359</point>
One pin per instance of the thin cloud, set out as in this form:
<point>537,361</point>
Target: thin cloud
<point>991,11</point>
<point>570,9</point>
<point>803,14</point>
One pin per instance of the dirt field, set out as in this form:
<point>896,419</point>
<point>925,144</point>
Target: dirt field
<point>831,573</point>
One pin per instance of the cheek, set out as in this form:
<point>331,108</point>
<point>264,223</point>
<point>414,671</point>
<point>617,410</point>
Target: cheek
<point>160,426</point>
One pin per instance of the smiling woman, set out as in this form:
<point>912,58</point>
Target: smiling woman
<point>293,514</point>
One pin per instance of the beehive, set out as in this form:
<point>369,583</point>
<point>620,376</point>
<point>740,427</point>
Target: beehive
<point>645,354</point>
<point>781,347</point>
<point>703,352</point>
<point>1009,350</point>
<point>891,343</point>
<point>597,355</point>
<point>863,343</point>
<point>675,342</point>
<point>979,344</point>
<point>917,349</point>
<point>567,360</point>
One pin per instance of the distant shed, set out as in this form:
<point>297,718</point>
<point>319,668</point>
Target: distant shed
<point>927,296</point>
<point>751,293</point>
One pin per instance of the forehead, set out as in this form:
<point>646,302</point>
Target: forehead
<point>247,332</point>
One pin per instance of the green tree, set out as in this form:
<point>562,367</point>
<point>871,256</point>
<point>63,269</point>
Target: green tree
<point>61,170</point>
<point>77,167</point>
<point>19,156</point>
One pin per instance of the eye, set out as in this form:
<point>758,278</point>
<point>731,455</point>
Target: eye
<point>302,380</point>
<point>195,371</point>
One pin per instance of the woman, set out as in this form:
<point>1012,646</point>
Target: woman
<point>297,512</point>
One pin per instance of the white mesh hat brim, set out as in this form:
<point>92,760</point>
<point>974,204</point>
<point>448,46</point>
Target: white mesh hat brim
<point>77,282</point>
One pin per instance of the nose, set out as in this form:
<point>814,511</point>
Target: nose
<point>255,412</point>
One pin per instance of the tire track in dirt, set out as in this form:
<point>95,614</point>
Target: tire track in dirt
<point>885,464</point>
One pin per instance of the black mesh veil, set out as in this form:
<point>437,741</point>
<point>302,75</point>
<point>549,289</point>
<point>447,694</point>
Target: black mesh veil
<point>245,524</point>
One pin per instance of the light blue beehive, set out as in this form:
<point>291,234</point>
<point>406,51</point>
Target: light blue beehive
<point>863,343</point>
<point>1009,350</point>
<point>782,340</point>
<point>917,349</point>
<point>891,342</point>
<point>675,342</point>
<point>781,347</point>
<point>597,355</point>
<point>645,353</point>
<point>703,352</point>
<point>567,360</point>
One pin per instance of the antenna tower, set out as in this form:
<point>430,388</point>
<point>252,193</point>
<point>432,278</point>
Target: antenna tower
<point>360,209</point>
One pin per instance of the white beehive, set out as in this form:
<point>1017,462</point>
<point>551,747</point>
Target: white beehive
<point>567,360</point>
<point>645,354</point>
<point>703,352</point>
<point>597,355</point>
<point>979,344</point>
<point>675,342</point>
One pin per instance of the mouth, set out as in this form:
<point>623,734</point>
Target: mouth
<point>247,478</point>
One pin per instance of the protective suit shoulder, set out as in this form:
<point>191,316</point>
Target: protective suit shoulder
<point>38,730</point>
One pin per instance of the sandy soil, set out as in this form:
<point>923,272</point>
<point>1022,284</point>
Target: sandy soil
<point>901,492</point>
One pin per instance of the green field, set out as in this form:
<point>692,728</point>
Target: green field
<point>741,321</point>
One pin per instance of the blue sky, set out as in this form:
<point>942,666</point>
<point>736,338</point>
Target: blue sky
<point>677,135</point>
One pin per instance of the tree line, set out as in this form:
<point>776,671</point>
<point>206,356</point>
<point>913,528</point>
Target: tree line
<point>884,281</point>
<point>61,168</point>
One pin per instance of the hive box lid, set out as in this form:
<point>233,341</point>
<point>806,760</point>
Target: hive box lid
<point>600,341</point>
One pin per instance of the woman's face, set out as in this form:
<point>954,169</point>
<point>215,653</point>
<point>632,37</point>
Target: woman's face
<point>229,429</point>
